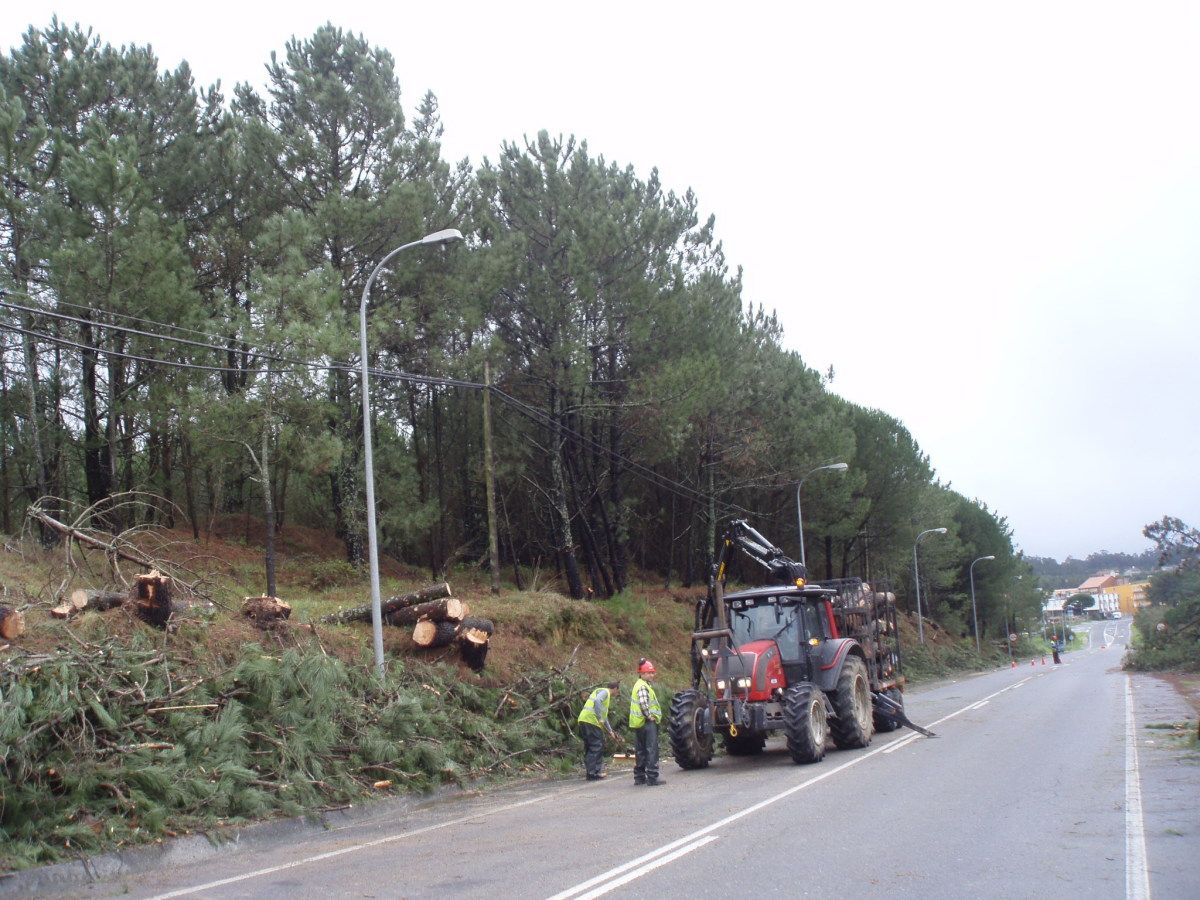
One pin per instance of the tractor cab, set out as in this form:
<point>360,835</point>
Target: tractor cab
<point>795,621</point>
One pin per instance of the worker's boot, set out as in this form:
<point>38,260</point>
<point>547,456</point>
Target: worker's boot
<point>654,782</point>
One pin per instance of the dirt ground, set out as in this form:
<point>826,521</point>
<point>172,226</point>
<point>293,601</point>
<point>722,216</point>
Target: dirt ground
<point>1188,687</point>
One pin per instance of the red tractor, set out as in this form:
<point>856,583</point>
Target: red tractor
<point>810,660</point>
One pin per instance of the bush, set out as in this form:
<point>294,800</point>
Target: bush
<point>330,573</point>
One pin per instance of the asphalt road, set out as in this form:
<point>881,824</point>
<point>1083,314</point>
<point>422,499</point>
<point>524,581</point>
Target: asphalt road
<point>1044,781</point>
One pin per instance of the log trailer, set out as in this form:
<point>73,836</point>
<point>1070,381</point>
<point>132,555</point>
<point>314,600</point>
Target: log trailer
<point>810,660</point>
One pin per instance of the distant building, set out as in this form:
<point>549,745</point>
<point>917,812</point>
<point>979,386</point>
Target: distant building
<point>1132,596</point>
<point>1102,588</point>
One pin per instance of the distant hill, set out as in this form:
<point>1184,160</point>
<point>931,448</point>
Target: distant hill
<point>1071,572</point>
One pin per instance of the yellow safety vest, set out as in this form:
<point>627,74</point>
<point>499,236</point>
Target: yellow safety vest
<point>636,719</point>
<point>589,712</point>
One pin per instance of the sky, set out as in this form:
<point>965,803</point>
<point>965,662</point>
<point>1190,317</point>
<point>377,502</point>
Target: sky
<point>984,218</point>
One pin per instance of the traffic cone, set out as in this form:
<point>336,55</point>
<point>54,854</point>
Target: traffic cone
<point>1043,660</point>
<point>1014,663</point>
<point>1031,662</point>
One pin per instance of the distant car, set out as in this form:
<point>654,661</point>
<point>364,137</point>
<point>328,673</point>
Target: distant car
<point>1116,615</point>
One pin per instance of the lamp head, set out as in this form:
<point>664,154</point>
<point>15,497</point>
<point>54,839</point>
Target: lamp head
<point>939,531</point>
<point>441,237</point>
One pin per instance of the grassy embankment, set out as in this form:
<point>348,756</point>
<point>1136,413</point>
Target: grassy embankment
<point>116,734</point>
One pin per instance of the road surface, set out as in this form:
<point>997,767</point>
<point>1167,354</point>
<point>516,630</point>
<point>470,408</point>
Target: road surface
<point>1044,781</point>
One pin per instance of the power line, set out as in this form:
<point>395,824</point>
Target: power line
<point>530,412</point>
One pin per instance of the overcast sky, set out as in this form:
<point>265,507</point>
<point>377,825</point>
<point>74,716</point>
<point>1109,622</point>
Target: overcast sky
<point>984,217</point>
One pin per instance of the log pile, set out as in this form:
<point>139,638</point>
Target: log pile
<point>437,618</point>
<point>149,598</point>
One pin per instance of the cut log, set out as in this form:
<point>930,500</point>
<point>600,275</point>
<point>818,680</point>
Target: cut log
<point>265,611</point>
<point>86,599</point>
<point>431,634</point>
<point>12,623</point>
<point>449,609</point>
<point>363,613</point>
<point>152,598</point>
<point>476,623</point>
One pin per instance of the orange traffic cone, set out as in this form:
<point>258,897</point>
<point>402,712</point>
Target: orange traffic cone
<point>1014,663</point>
<point>1043,660</point>
<point>1031,662</point>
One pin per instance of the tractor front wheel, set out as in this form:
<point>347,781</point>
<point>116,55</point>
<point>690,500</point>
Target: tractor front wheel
<point>853,726</point>
<point>805,721</point>
<point>691,742</point>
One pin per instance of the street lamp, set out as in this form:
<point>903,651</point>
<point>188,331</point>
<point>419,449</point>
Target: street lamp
<point>917,580</point>
<point>974,612</point>
<point>833,467</point>
<point>438,237</point>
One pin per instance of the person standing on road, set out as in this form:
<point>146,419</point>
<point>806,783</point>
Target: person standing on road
<point>644,716</point>
<point>592,720</point>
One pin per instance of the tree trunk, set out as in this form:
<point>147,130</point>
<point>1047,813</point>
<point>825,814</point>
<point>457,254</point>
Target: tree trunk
<point>84,599</point>
<point>448,609</point>
<point>431,634</point>
<point>489,478</point>
<point>363,613</point>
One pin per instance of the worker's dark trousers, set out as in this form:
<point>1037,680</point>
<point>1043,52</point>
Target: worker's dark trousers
<point>593,748</point>
<point>645,768</point>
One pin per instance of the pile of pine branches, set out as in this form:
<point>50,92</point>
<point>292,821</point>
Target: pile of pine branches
<point>107,743</point>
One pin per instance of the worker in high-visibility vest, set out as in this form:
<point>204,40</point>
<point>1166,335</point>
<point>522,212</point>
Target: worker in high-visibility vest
<point>644,716</point>
<point>592,720</point>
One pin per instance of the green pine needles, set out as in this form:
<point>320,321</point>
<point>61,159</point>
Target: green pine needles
<point>103,745</point>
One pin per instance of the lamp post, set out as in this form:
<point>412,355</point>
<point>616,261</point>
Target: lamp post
<point>974,613</point>
<point>832,467</point>
<point>438,237</point>
<point>917,580</point>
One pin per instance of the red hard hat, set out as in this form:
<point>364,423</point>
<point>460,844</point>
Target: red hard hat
<point>645,666</point>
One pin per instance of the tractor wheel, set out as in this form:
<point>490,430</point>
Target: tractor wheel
<point>852,702</point>
<point>747,743</point>
<point>805,722</point>
<point>883,721</point>
<point>691,748</point>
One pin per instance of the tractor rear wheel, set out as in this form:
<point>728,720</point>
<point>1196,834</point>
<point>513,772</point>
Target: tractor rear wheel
<point>747,743</point>
<point>691,745</point>
<point>853,726</point>
<point>805,722</point>
<point>885,722</point>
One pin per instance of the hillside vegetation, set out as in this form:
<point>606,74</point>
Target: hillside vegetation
<point>116,733</point>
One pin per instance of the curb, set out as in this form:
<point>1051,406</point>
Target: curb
<point>43,880</point>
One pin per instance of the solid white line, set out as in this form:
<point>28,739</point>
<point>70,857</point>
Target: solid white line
<point>762,804</point>
<point>332,853</point>
<point>648,867</point>
<point>1137,877</point>
<point>903,742</point>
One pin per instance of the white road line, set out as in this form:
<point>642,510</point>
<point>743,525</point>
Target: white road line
<point>1137,877</point>
<point>762,804</point>
<point>648,867</point>
<point>903,742</point>
<point>332,853</point>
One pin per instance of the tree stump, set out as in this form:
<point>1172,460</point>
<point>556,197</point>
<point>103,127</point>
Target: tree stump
<point>265,611</point>
<point>152,598</point>
<point>12,623</point>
